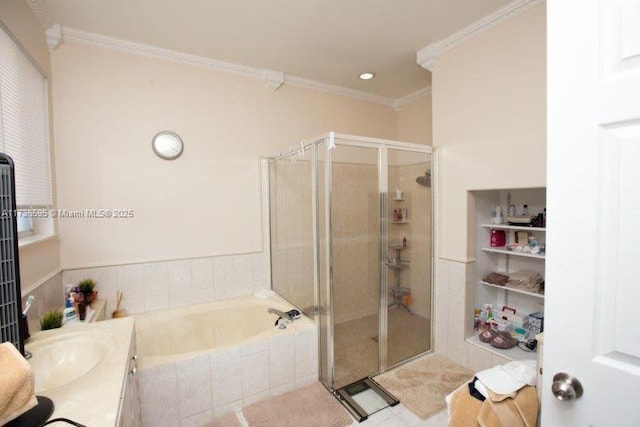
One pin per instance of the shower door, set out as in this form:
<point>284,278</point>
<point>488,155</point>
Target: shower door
<point>350,231</point>
<point>408,255</point>
<point>375,284</point>
<point>355,261</point>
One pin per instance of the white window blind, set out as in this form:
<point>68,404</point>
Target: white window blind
<point>24,123</point>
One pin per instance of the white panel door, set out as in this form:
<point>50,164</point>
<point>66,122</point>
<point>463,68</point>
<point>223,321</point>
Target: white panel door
<point>592,306</point>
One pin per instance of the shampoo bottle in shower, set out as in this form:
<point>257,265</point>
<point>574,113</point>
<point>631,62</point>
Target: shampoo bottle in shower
<point>398,194</point>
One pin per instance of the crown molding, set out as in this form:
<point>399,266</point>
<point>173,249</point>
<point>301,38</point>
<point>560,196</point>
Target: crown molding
<point>428,56</point>
<point>42,13</point>
<point>338,90</point>
<point>401,102</point>
<point>274,79</point>
<point>54,36</point>
<point>93,39</point>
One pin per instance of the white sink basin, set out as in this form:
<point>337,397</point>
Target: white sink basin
<point>63,358</point>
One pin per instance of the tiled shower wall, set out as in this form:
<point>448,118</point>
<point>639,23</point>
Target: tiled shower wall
<point>418,233</point>
<point>355,240</point>
<point>160,285</point>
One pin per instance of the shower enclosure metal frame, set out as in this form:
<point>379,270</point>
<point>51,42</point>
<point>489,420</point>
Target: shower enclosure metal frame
<point>382,146</point>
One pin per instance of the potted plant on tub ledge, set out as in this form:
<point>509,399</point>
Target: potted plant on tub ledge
<point>86,287</point>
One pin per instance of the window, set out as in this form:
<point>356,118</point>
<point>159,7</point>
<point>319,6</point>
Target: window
<point>25,224</point>
<point>24,131</point>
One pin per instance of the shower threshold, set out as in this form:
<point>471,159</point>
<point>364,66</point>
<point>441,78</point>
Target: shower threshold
<point>365,397</point>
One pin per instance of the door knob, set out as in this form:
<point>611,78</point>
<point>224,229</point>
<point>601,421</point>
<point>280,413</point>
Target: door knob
<point>566,387</point>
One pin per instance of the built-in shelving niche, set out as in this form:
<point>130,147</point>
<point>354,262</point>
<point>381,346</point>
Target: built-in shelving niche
<point>499,259</point>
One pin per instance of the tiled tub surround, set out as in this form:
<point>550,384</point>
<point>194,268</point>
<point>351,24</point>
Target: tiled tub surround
<point>167,284</point>
<point>49,295</point>
<point>254,360</point>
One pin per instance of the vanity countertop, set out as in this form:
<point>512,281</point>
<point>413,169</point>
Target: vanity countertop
<point>94,398</point>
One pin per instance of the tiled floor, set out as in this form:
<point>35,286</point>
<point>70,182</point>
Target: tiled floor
<point>400,416</point>
<point>397,416</point>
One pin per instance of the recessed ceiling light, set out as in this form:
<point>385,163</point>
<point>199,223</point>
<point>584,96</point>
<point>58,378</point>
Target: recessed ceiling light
<point>367,76</point>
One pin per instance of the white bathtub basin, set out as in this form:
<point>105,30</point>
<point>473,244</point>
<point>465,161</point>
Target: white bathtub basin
<point>61,359</point>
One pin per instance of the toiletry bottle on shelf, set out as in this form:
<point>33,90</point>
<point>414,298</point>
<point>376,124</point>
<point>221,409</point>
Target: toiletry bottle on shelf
<point>511,208</point>
<point>497,215</point>
<point>404,242</point>
<point>498,238</point>
<point>525,210</point>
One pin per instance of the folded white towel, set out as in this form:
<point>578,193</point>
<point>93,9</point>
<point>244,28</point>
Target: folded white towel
<point>16,384</point>
<point>505,379</point>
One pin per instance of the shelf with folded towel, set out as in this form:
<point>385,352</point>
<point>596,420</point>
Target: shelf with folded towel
<point>516,290</point>
<point>505,251</point>
<point>512,227</point>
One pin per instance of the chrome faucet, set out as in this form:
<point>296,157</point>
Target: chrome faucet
<point>284,319</point>
<point>285,316</point>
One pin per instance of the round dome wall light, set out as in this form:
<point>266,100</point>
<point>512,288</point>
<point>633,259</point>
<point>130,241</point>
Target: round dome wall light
<point>367,76</point>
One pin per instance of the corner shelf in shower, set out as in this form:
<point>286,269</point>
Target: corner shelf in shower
<point>399,247</point>
<point>398,291</point>
<point>400,222</point>
<point>401,199</point>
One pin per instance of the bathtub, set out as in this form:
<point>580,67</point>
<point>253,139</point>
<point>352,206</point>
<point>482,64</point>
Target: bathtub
<point>201,361</point>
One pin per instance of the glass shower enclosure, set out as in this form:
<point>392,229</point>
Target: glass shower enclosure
<point>350,223</point>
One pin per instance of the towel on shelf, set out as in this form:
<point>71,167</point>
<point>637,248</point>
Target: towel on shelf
<point>16,384</point>
<point>526,280</point>
<point>496,279</point>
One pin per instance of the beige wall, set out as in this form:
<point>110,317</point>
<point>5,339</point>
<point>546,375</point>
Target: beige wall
<point>489,131</point>
<point>40,260</point>
<point>108,107</point>
<point>414,121</point>
<point>489,125</point>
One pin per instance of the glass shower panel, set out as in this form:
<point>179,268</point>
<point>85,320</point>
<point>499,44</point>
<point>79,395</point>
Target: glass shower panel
<point>324,300</point>
<point>291,230</point>
<point>355,224</point>
<point>409,255</point>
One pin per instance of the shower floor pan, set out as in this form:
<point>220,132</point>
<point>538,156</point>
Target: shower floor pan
<point>365,397</point>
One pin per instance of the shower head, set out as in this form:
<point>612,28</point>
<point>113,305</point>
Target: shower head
<point>425,180</point>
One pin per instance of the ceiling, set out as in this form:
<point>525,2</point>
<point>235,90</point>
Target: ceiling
<point>329,41</point>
